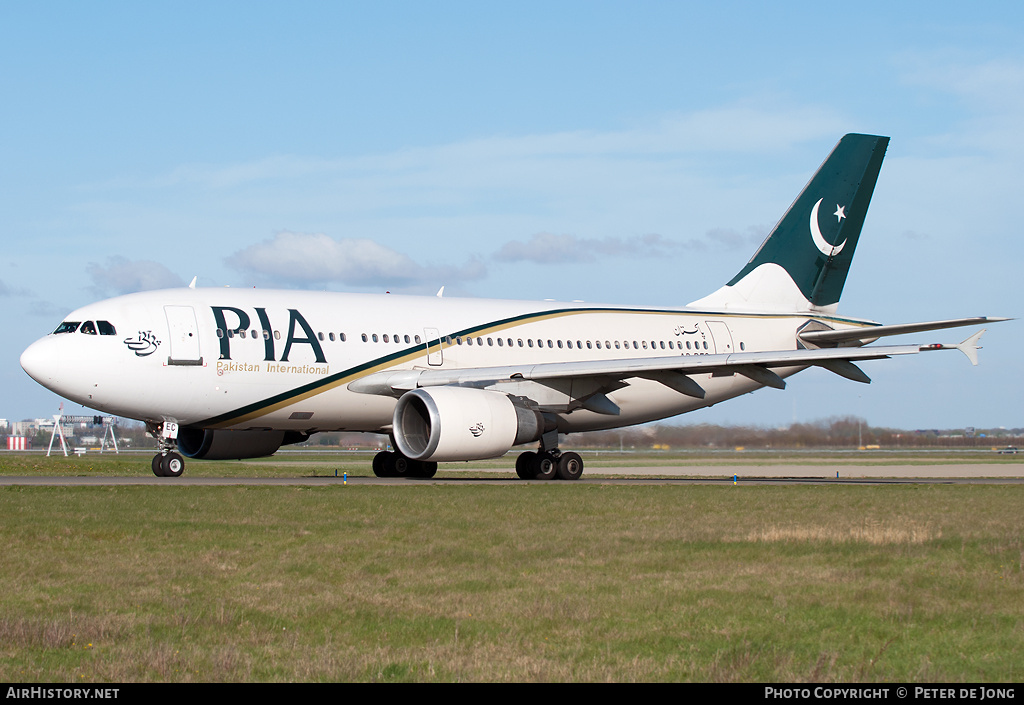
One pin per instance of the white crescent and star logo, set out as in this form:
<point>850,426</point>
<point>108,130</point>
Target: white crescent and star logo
<point>823,246</point>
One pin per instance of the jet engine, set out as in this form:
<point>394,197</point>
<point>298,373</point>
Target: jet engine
<point>218,444</point>
<point>460,423</point>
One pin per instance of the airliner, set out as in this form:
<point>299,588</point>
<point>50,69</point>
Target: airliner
<point>221,373</point>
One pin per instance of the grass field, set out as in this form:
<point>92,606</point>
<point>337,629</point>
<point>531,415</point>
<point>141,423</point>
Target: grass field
<point>514,582</point>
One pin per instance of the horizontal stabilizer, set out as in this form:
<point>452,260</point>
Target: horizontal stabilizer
<point>822,337</point>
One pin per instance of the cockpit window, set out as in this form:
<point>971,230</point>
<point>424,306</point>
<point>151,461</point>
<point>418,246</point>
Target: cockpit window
<point>67,327</point>
<point>89,328</point>
<point>106,328</point>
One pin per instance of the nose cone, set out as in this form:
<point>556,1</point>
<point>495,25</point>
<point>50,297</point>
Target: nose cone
<point>40,362</point>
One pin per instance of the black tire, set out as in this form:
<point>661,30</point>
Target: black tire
<point>570,466</point>
<point>425,469</point>
<point>172,464</point>
<point>398,465</point>
<point>525,465</point>
<point>545,466</point>
<point>158,465</point>
<point>379,465</point>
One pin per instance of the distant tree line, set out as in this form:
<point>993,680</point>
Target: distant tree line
<point>835,432</point>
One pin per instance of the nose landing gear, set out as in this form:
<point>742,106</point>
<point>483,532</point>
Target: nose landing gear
<point>168,462</point>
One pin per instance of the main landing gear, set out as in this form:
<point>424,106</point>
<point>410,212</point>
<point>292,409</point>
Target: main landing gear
<point>548,465</point>
<point>394,464</point>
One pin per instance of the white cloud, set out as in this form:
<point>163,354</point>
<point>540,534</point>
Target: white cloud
<point>123,276</point>
<point>546,248</point>
<point>305,259</point>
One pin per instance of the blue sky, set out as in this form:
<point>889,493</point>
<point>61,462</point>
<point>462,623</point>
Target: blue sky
<point>630,153</point>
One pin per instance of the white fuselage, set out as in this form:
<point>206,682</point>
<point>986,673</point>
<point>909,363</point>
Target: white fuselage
<point>265,359</point>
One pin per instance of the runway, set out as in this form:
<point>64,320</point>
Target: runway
<point>726,474</point>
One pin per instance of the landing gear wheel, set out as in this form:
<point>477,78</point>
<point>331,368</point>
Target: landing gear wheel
<point>545,466</point>
<point>425,469</point>
<point>379,466</point>
<point>570,466</point>
<point>158,467</point>
<point>397,465</point>
<point>391,464</point>
<point>525,465</point>
<point>172,464</point>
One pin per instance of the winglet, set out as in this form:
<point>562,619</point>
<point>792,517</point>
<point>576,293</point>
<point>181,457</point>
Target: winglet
<point>970,346</point>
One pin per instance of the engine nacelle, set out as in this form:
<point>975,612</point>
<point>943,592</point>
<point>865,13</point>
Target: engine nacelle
<point>218,444</point>
<point>460,423</point>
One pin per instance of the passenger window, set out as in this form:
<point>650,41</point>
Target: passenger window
<point>364,337</point>
<point>106,328</point>
<point>277,335</point>
<point>385,338</point>
<point>520,341</point>
<point>89,328</point>
<point>407,339</point>
<point>416,339</point>
<point>373,336</point>
<point>500,343</point>
<point>529,342</point>
<point>331,336</point>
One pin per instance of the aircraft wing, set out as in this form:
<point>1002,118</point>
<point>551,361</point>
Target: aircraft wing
<point>672,371</point>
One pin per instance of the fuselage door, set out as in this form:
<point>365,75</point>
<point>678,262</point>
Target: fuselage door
<point>434,355</point>
<point>721,336</point>
<point>183,336</point>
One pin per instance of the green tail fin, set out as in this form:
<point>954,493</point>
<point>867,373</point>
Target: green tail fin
<point>815,240</point>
